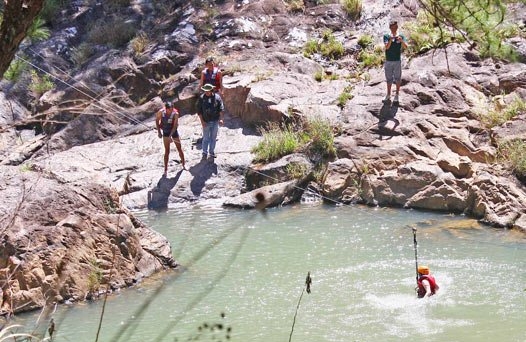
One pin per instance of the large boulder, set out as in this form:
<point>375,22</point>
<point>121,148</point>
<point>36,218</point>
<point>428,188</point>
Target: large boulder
<point>83,244</point>
<point>279,87</point>
<point>268,196</point>
<point>294,166</point>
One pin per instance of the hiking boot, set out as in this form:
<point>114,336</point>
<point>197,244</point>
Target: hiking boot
<point>395,99</point>
<point>387,98</point>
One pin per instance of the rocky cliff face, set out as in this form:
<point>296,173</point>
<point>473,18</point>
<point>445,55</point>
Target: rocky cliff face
<point>431,152</point>
<point>96,132</point>
<point>68,242</point>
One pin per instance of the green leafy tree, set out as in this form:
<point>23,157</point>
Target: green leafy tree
<point>15,70</point>
<point>479,22</point>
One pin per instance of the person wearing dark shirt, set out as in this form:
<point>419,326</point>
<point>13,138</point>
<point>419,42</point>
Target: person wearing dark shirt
<point>210,109</point>
<point>394,44</point>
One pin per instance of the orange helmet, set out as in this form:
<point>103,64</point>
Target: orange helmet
<point>423,270</point>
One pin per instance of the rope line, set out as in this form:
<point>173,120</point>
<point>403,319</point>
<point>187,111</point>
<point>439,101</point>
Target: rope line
<point>366,212</point>
<point>117,110</point>
<point>97,103</point>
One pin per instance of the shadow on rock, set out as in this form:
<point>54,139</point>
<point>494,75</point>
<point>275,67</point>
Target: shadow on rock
<point>388,113</point>
<point>197,143</point>
<point>236,123</point>
<point>158,196</point>
<point>201,172</point>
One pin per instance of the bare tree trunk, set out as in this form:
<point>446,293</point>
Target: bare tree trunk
<point>17,18</point>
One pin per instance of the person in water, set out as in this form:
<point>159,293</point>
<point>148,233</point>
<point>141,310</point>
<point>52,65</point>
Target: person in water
<point>427,285</point>
<point>166,121</point>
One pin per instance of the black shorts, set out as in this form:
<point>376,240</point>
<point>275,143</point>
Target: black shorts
<point>166,133</point>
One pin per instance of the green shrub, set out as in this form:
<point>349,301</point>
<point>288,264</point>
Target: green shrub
<point>37,31</point>
<point>371,58</point>
<point>482,23</point>
<point>26,167</point>
<point>497,115</point>
<point>81,53</point>
<point>295,5</point>
<point>15,70</point>
<point>332,76</point>
<point>344,97</point>
<point>328,47</point>
<point>321,75</point>
<point>365,41</point>
<point>140,43</point>
<point>276,143</point>
<point>496,47</point>
<point>319,133</point>
<point>296,170</point>
<point>94,277</point>
<point>513,153</point>
<point>318,76</point>
<point>40,84</point>
<point>310,48</point>
<point>315,137</point>
<point>261,76</point>
<point>114,32</point>
<point>353,8</point>
<point>425,35</point>
<point>110,206</point>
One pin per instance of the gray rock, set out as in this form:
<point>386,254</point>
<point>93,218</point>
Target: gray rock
<point>66,252</point>
<point>97,136</point>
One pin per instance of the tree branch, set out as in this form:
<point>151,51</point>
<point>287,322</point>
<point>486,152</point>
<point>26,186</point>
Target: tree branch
<point>17,18</point>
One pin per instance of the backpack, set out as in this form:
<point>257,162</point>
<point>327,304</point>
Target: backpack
<point>209,115</point>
